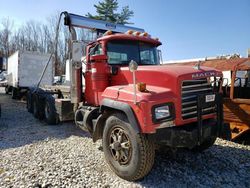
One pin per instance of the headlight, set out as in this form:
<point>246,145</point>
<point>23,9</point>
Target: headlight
<point>163,112</point>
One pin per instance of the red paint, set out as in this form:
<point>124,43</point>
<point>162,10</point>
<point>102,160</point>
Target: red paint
<point>163,84</point>
<point>97,79</point>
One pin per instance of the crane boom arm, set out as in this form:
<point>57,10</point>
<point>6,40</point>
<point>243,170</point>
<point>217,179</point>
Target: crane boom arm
<point>99,25</point>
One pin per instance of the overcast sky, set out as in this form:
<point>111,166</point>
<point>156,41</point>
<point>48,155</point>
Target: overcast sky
<point>187,29</point>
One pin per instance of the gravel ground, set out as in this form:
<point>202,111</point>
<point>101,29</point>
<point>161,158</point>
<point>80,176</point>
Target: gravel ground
<point>33,154</point>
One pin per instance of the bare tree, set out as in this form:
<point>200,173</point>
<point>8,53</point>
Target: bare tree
<point>5,35</point>
<point>36,36</point>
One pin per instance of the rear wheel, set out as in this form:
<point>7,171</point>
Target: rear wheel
<point>35,108</point>
<point>130,155</point>
<point>51,116</point>
<point>38,107</point>
<point>29,102</point>
<point>15,93</point>
<point>7,90</point>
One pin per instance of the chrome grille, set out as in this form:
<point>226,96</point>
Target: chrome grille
<point>190,90</point>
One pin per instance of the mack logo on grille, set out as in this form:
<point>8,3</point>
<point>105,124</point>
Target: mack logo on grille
<point>203,74</point>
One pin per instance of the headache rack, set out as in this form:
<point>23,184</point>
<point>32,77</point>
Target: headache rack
<point>190,91</point>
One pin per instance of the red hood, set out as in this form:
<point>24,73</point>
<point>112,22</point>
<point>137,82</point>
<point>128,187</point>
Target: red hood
<point>165,75</point>
<point>176,71</point>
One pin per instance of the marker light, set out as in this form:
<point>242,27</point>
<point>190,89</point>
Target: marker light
<point>141,87</point>
<point>136,33</point>
<point>109,32</point>
<point>145,34</point>
<point>129,32</point>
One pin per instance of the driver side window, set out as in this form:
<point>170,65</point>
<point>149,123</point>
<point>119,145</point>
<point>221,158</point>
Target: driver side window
<point>96,50</point>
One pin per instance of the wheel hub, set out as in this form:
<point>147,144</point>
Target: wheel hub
<point>117,146</point>
<point>120,146</point>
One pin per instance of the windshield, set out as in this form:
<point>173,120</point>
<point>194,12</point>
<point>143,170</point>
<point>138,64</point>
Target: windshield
<point>122,52</point>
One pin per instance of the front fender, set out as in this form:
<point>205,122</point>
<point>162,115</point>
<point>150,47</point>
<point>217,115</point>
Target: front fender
<point>109,104</point>
<point>124,107</point>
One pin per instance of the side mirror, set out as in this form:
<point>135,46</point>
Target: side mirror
<point>133,66</point>
<point>160,56</point>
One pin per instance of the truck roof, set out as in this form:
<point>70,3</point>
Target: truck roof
<point>123,36</point>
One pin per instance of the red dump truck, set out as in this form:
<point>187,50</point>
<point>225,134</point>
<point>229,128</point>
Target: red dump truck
<point>132,102</point>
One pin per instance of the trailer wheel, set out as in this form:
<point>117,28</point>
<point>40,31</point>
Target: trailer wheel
<point>15,93</point>
<point>205,145</point>
<point>29,102</point>
<point>51,116</point>
<point>129,155</point>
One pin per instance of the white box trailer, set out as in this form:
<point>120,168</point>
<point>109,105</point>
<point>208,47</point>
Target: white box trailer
<point>25,69</point>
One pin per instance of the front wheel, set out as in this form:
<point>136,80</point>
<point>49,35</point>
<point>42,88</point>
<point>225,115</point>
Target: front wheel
<point>130,155</point>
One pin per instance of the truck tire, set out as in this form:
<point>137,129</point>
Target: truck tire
<point>129,155</point>
<point>29,102</point>
<point>38,111</point>
<point>205,145</point>
<point>7,90</point>
<point>35,107</point>
<point>51,116</point>
<point>15,93</point>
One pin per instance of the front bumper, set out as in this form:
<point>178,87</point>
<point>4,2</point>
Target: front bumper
<point>193,134</point>
<point>185,136</point>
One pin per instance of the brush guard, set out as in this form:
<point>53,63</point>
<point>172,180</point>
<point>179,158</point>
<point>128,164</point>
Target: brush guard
<point>193,134</point>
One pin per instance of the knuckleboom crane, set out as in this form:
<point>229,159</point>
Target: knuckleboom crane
<point>72,21</point>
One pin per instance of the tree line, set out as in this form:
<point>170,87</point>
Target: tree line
<point>34,36</point>
<point>40,36</point>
